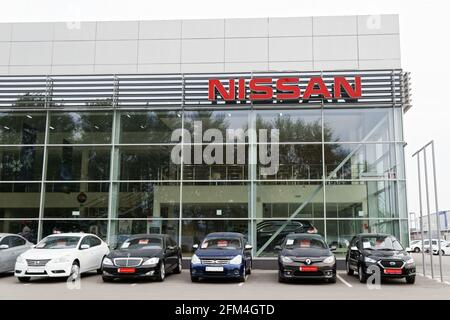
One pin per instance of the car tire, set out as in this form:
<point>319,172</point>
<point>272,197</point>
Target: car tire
<point>107,279</point>
<point>162,272</point>
<point>24,279</point>
<point>410,279</point>
<point>350,272</point>
<point>74,271</point>
<point>194,279</point>
<point>249,271</point>
<point>100,270</point>
<point>243,277</point>
<point>361,275</point>
<point>332,280</point>
<point>417,250</point>
<point>179,266</point>
<point>281,278</point>
<point>442,253</point>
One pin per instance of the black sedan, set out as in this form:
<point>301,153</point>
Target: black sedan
<point>143,256</point>
<point>369,253</point>
<point>305,256</point>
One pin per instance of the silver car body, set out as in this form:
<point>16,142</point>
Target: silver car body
<point>16,245</point>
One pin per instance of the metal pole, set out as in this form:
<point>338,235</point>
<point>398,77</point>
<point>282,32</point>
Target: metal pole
<point>428,211</point>
<point>438,220</point>
<point>421,213</point>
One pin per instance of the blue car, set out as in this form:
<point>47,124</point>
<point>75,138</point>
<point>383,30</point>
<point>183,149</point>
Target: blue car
<point>222,255</point>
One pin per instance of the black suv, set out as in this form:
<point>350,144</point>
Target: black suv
<point>369,252</point>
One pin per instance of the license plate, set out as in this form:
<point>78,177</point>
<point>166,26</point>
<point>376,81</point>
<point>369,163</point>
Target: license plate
<point>309,269</point>
<point>36,270</point>
<point>127,270</point>
<point>214,269</point>
<point>393,271</point>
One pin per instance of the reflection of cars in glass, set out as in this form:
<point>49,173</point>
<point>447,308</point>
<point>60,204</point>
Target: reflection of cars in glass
<point>222,255</point>
<point>145,256</point>
<point>11,246</point>
<point>117,241</point>
<point>305,256</point>
<point>62,255</point>
<point>380,251</point>
<point>341,245</point>
<point>266,229</point>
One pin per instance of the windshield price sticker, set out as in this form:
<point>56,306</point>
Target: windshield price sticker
<point>204,245</point>
<point>222,243</point>
<point>305,244</point>
<point>290,242</point>
<point>366,245</point>
<point>125,245</point>
<point>143,241</point>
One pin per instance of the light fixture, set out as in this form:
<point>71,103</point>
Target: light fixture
<point>29,117</point>
<point>229,114</point>
<point>128,115</point>
<point>96,127</point>
<point>7,128</point>
<point>51,128</point>
<point>178,115</point>
<point>281,114</point>
<point>142,127</point>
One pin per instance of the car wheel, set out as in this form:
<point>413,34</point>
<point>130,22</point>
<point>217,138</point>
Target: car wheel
<point>100,270</point>
<point>179,267</point>
<point>107,279</point>
<point>194,279</point>
<point>442,252</point>
<point>281,278</point>
<point>74,271</point>
<point>332,280</point>
<point>162,272</point>
<point>243,277</point>
<point>24,279</point>
<point>411,279</point>
<point>362,276</point>
<point>350,271</point>
<point>417,250</point>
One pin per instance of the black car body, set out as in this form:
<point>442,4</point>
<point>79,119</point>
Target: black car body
<point>368,253</point>
<point>305,256</point>
<point>266,229</point>
<point>222,255</point>
<point>143,256</point>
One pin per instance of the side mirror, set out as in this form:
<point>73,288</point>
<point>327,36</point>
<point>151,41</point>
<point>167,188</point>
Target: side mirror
<point>277,248</point>
<point>195,246</point>
<point>4,246</point>
<point>333,248</point>
<point>248,247</point>
<point>84,246</point>
<point>354,248</point>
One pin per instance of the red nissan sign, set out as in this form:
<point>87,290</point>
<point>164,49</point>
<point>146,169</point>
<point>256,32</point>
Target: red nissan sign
<point>286,89</point>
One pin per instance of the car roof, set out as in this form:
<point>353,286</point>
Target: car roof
<point>225,234</point>
<point>142,235</point>
<point>9,234</point>
<point>305,235</point>
<point>73,234</point>
<point>374,235</point>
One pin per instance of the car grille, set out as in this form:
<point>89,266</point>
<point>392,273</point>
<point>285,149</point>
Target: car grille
<point>303,259</point>
<point>37,263</point>
<point>219,262</point>
<point>391,263</point>
<point>128,262</point>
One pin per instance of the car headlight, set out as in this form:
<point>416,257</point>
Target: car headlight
<point>107,262</point>
<point>62,259</point>
<point>286,259</point>
<point>236,260</point>
<point>195,259</point>
<point>151,261</point>
<point>329,259</point>
<point>370,260</point>
<point>410,261</point>
<point>20,259</point>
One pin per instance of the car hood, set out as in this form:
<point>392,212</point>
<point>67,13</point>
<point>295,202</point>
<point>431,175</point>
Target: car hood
<point>142,253</point>
<point>386,254</point>
<point>306,252</point>
<point>217,253</point>
<point>36,254</point>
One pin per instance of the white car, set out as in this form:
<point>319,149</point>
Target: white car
<point>417,246</point>
<point>62,255</point>
<point>445,249</point>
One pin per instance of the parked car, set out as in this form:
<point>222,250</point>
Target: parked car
<point>304,256</point>
<point>222,255</point>
<point>11,246</point>
<point>417,246</point>
<point>445,249</point>
<point>62,255</point>
<point>149,256</point>
<point>383,251</point>
<point>266,229</point>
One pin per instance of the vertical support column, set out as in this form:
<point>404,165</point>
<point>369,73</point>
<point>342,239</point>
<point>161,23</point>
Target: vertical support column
<point>421,214</point>
<point>438,221</point>
<point>180,218</point>
<point>252,172</point>
<point>430,236</point>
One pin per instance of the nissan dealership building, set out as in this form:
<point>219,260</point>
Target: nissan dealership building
<point>260,126</point>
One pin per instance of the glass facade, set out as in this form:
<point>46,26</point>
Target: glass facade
<point>112,172</point>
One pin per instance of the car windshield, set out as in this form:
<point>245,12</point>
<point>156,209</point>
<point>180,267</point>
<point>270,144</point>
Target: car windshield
<point>221,243</point>
<point>306,243</point>
<point>381,243</point>
<point>58,242</point>
<point>143,243</point>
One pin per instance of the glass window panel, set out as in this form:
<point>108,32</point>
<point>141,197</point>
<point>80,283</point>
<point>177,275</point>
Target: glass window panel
<point>266,229</point>
<point>97,227</point>
<point>26,228</point>
<point>293,125</point>
<point>76,200</point>
<point>355,125</point>
<point>368,199</point>
<point>148,163</point>
<point>122,229</point>
<point>194,231</point>
<point>18,200</point>
<point>80,128</point>
<point>148,200</point>
<point>295,162</point>
<point>149,127</point>
<point>22,128</point>
<point>78,163</point>
<point>361,161</point>
<point>21,163</point>
<point>215,200</point>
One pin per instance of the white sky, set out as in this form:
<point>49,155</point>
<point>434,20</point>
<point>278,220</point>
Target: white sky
<point>424,27</point>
